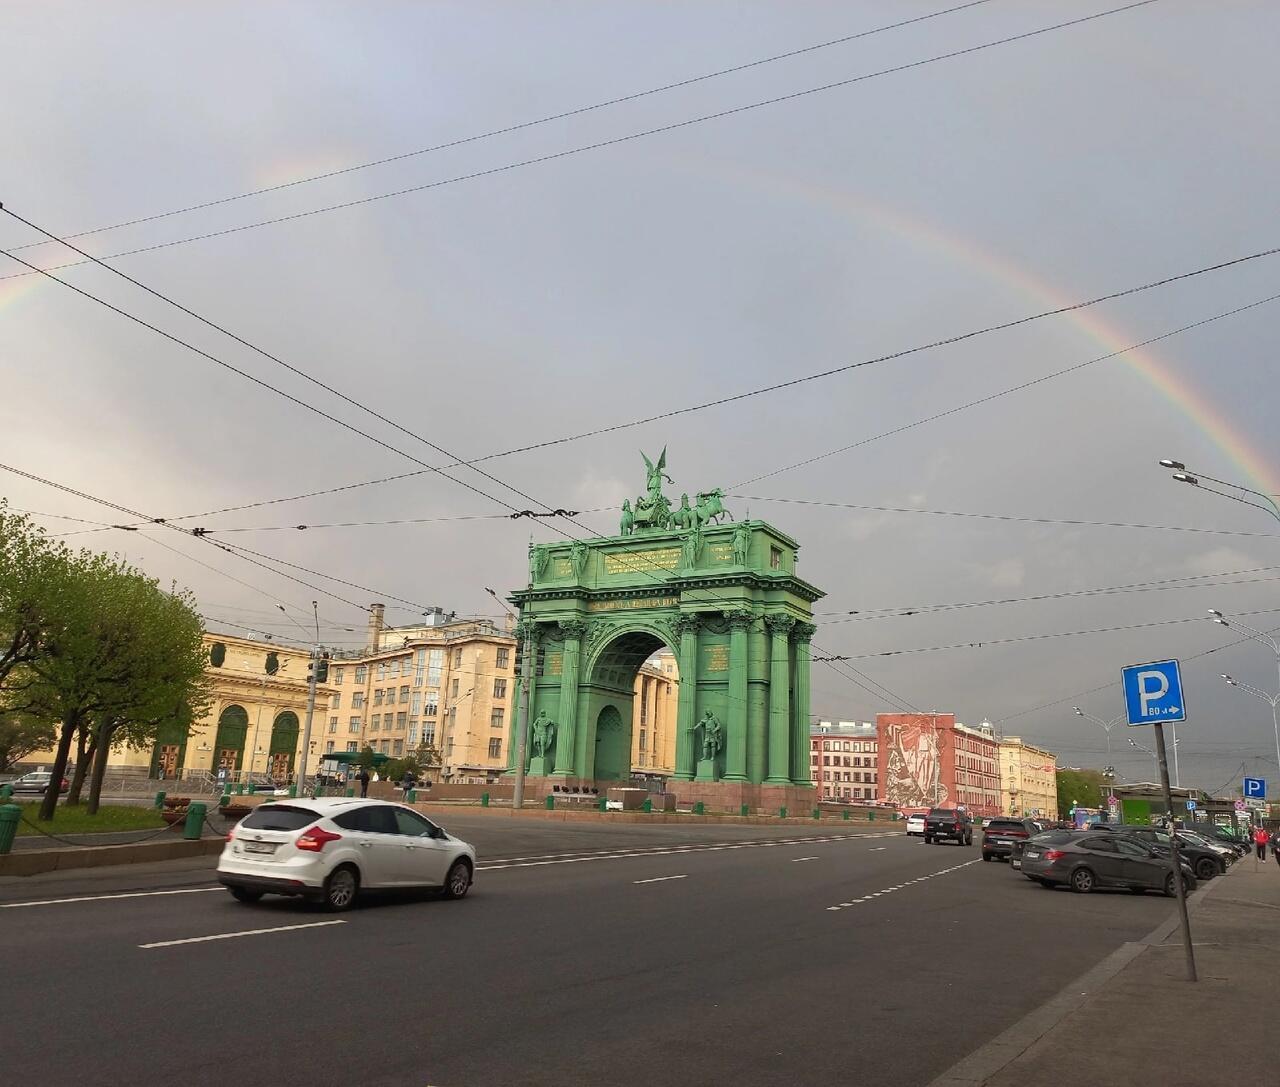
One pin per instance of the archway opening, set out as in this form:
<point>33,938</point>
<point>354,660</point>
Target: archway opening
<point>284,743</point>
<point>609,690</point>
<point>228,743</point>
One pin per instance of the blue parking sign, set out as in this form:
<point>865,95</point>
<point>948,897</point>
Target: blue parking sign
<point>1153,693</point>
<point>1254,788</point>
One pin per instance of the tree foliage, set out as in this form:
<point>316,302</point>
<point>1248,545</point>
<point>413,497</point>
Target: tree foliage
<point>1085,787</point>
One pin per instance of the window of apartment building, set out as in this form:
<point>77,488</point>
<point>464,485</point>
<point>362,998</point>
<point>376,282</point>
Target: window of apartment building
<point>457,658</point>
<point>333,724</point>
<point>415,704</point>
<point>503,657</point>
<point>435,661</point>
<point>353,724</point>
<point>412,738</point>
<point>453,690</point>
<point>429,734</point>
<point>775,559</point>
<point>328,747</point>
<point>375,722</point>
<point>406,665</point>
<point>402,719</point>
<point>335,703</point>
<point>499,688</point>
<point>495,717</point>
<point>397,747</point>
<point>357,699</point>
<point>386,747</point>
<point>351,745</point>
<point>419,667</point>
<point>404,693</point>
<point>432,704</point>
<point>449,748</point>
<point>495,748</point>
<point>382,670</point>
<point>453,717</point>
<point>339,674</point>
<point>362,673</point>
<point>644,740</point>
<point>826,760</point>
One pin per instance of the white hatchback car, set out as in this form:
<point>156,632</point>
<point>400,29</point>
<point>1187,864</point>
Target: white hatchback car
<point>331,849</point>
<point>915,825</point>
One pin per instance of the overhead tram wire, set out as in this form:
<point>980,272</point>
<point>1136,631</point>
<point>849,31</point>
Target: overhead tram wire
<point>243,552</point>
<point>865,441</point>
<point>517,127</point>
<point>614,141</point>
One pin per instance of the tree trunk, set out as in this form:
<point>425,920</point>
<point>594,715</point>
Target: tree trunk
<point>86,746</point>
<point>50,801</point>
<point>101,757</point>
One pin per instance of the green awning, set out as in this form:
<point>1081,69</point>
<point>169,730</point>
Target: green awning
<point>346,758</point>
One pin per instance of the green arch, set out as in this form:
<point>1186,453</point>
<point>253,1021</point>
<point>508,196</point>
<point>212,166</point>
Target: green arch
<point>233,726</point>
<point>284,736</point>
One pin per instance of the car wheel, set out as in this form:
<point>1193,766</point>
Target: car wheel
<point>1206,868</point>
<point>1047,884</point>
<point>1083,881</point>
<point>458,882</point>
<point>928,840</point>
<point>1171,891</point>
<point>341,888</point>
<point>243,894</point>
<point>986,856</point>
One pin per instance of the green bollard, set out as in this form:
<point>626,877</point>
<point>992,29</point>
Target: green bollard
<point>484,800</point>
<point>699,808</point>
<point>351,792</point>
<point>253,789</point>
<point>224,800</point>
<point>195,821</point>
<point>817,813</point>
<point>744,810</point>
<point>647,806</point>
<point>240,789</point>
<point>602,804</point>
<point>6,793</point>
<point>871,816</point>
<point>160,800</point>
<point>9,816</point>
<point>845,813</point>
<point>551,802</point>
<point>410,795</point>
<point>782,813</point>
<point>293,790</point>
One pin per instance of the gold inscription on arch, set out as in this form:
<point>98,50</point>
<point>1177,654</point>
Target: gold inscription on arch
<point>634,605</point>
<point>642,562</point>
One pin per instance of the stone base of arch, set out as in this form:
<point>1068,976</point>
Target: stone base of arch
<point>730,796</point>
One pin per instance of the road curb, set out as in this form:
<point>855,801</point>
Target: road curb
<point>33,862</point>
<point>1007,1046</point>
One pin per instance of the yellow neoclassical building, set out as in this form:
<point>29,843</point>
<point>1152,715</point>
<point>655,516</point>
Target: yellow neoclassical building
<point>1028,780</point>
<point>653,711</point>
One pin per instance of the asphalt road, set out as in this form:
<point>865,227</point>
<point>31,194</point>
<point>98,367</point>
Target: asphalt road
<point>584,955</point>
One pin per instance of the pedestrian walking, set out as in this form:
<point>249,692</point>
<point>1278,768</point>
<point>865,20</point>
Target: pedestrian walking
<point>1260,839</point>
<point>363,778</point>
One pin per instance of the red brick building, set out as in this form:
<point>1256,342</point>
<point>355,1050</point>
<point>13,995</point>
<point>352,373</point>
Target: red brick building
<point>928,760</point>
<point>842,761</point>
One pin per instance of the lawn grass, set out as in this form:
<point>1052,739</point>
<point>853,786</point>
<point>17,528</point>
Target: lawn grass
<point>110,817</point>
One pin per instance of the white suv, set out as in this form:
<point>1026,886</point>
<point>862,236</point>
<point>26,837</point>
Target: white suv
<point>330,849</point>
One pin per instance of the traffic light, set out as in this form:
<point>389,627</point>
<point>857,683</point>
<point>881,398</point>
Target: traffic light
<point>322,668</point>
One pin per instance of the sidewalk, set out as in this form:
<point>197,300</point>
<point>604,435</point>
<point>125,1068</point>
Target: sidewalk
<point>1145,1022</point>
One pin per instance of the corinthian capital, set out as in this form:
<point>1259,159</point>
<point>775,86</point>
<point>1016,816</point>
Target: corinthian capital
<point>574,628</point>
<point>779,623</point>
<point>739,618</point>
<point>686,624</point>
<point>804,632</point>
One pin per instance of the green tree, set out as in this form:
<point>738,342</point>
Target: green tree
<point>1086,787</point>
<point>366,760</point>
<point>19,736</point>
<point>33,574</point>
<point>120,652</point>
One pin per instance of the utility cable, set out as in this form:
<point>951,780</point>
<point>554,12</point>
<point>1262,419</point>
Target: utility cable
<point>614,141</point>
<point>517,127</point>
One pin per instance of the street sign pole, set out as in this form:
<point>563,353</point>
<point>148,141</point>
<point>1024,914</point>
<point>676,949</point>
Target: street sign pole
<point>1175,857</point>
<point>522,714</point>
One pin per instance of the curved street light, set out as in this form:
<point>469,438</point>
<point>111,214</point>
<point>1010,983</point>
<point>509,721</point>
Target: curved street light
<point>1237,492</point>
<point>1271,643</point>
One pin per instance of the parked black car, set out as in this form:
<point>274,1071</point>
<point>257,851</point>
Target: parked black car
<point>949,824</point>
<point>1000,835</point>
<point>1088,861</point>
<point>1216,833</point>
<point>1205,863</point>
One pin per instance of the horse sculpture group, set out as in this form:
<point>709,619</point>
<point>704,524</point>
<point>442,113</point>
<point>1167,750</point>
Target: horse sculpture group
<point>653,512</point>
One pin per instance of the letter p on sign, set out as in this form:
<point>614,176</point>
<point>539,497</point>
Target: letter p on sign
<point>1153,692</point>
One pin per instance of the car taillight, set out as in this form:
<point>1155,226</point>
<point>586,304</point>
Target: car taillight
<point>315,839</point>
<point>1054,854</point>
<point>231,834</point>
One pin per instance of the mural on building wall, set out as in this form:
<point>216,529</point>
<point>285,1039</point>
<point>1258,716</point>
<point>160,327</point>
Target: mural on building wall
<point>912,765</point>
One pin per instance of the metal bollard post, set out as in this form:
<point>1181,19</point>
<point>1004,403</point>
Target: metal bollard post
<point>410,795</point>
<point>647,806</point>
<point>252,788</point>
<point>699,808</point>
<point>160,799</point>
<point>817,813</point>
<point>195,821</point>
<point>9,816</point>
<point>551,802</point>
<point>224,800</point>
<point>845,813</point>
<point>293,790</point>
<point>602,804</point>
<point>240,789</point>
<point>744,810</point>
<point>484,800</point>
<point>782,813</point>
<point>351,792</point>
<point>6,793</point>
<point>871,817</point>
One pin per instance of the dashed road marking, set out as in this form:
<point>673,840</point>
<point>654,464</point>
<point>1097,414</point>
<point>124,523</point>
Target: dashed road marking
<point>797,860</point>
<point>103,898</point>
<point>243,932</point>
<point>659,879</point>
<point>900,886</point>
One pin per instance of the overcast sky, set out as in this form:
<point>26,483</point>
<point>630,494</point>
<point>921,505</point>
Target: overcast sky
<point>666,271</point>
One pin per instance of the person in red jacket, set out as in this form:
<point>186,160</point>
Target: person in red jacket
<point>1260,839</point>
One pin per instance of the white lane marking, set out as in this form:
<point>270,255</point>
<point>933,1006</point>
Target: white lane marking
<point>797,860</point>
<point>877,848</point>
<point>659,879</point>
<point>902,886</point>
<point>102,898</point>
<point>628,854</point>
<point>234,935</point>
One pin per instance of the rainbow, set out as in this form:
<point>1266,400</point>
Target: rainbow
<point>1187,399</point>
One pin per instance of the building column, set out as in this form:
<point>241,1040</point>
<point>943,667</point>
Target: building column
<point>779,627</point>
<point>527,630</point>
<point>735,754</point>
<point>686,627</point>
<point>566,730</point>
<point>800,772</point>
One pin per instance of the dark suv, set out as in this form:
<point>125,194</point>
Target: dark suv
<point>951,824</point>
<point>1202,861</point>
<point>999,836</point>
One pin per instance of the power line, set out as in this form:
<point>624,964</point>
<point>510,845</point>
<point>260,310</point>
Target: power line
<point>517,127</point>
<point>614,141</point>
<point>1076,523</point>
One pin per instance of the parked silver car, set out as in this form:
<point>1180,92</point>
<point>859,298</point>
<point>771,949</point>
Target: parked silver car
<point>1088,861</point>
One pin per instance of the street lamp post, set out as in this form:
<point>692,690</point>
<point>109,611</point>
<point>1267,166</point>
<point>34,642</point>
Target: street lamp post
<point>1106,726</point>
<point>1272,700</point>
<point>1234,491</point>
<point>1271,643</point>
